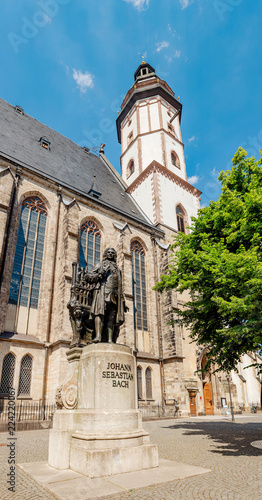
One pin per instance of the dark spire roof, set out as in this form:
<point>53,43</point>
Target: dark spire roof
<point>147,84</point>
<point>144,71</point>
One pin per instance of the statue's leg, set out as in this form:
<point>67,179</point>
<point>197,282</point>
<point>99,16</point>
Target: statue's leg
<point>111,323</point>
<point>98,329</point>
<point>110,335</point>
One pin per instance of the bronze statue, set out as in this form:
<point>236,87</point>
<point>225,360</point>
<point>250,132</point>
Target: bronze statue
<point>97,303</point>
<point>79,308</point>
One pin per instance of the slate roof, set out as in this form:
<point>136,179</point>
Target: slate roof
<point>65,163</point>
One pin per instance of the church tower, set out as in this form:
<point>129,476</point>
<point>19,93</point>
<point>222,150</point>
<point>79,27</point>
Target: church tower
<point>152,151</point>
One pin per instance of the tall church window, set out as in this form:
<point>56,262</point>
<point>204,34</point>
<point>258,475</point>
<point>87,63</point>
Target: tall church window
<point>90,245</point>
<point>148,383</point>
<point>139,286</point>
<point>130,168</point>
<point>175,160</point>
<point>8,370</point>
<point>139,383</point>
<point>26,275</point>
<point>25,376</point>
<point>180,219</point>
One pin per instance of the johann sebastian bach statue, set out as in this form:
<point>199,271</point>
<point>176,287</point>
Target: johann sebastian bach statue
<point>97,303</point>
<point>108,305</point>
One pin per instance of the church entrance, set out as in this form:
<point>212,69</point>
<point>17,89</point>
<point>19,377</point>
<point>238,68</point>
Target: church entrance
<point>192,403</point>
<point>207,388</point>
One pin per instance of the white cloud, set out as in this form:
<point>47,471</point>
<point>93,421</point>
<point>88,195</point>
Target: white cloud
<point>193,179</point>
<point>83,80</point>
<point>175,55</point>
<point>185,3</point>
<point>139,4</point>
<point>215,172</point>
<point>66,67</point>
<point>162,45</point>
<point>192,139</point>
<point>171,30</point>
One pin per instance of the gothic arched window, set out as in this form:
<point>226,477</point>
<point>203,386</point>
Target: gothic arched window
<point>130,168</point>
<point>90,245</point>
<point>8,370</point>
<point>26,275</point>
<point>139,286</point>
<point>139,383</point>
<point>174,159</point>
<point>25,375</point>
<point>148,383</point>
<point>180,220</point>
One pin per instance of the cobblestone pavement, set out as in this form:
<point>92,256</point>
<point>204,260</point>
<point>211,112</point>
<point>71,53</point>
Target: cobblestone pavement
<point>216,444</point>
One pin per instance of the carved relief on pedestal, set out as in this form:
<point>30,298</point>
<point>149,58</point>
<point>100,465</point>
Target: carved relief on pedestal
<point>66,394</point>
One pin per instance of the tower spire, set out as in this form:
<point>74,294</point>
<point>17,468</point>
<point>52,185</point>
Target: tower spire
<point>152,160</point>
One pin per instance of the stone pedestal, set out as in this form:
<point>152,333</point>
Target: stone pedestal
<point>103,434</point>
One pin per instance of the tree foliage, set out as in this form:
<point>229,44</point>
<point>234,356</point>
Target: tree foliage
<point>220,264</point>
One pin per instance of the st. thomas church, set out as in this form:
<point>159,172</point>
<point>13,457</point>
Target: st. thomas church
<point>60,203</point>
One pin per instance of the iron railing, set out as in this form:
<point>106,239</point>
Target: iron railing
<point>150,411</point>
<point>27,411</point>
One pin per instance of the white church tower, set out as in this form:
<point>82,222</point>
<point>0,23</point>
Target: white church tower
<point>152,151</point>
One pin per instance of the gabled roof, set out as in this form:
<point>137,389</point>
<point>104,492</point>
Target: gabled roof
<point>62,161</point>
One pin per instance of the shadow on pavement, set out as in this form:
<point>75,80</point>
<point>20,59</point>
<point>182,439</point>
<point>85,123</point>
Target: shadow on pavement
<point>232,439</point>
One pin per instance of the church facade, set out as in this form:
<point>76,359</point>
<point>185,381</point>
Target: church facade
<point>60,203</point>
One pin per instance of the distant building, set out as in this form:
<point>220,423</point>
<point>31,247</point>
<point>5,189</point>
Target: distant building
<point>60,203</point>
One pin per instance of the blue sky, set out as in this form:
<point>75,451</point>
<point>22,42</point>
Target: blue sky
<point>69,64</point>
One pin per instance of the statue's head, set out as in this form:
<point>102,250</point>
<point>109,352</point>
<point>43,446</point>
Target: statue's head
<point>110,254</point>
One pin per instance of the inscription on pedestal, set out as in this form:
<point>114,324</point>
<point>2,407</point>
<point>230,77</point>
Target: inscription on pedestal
<point>120,373</point>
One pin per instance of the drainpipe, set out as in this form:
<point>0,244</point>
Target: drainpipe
<point>8,223</point>
<point>50,309</point>
<point>159,331</point>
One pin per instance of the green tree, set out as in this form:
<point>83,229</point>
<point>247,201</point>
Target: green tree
<point>220,264</point>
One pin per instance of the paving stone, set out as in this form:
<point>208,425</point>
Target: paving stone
<point>216,444</point>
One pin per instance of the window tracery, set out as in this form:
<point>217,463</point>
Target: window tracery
<point>175,160</point>
<point>139,286</point>
<point>139,383</point>
<point>148,383</point>
<point>90,245</point>
<point>25,375</point>
<point>180,219</point>
<point>27,267</point>
<point>8,370</point>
